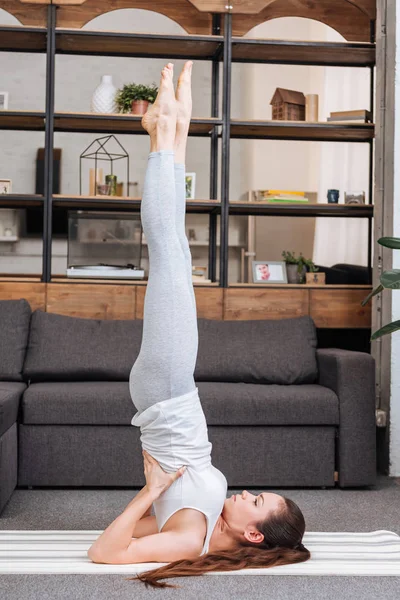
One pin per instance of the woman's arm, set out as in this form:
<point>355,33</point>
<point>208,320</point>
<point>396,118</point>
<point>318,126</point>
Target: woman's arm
<point>118,536</point>
<point>119,533</point>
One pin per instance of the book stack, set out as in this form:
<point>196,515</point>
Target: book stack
<point>199,274</point>
<point>281,196</point>
<point>351,116</point>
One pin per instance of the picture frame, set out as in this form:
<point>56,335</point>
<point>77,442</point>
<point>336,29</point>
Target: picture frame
<point>269,271</point>
<point>5,186</point>
<point>190,185</point>
<point>3,100</point>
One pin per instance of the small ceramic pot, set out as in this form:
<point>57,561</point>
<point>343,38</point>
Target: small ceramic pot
<point>293,275</point>
<point>139,107</point>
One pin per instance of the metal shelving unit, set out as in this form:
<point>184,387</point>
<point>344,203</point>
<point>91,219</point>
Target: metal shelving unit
<point>216,49</point>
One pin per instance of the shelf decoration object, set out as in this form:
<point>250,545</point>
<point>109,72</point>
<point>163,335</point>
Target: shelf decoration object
<point>312,275</point>
<point>350,116</point>
<point>190,179</point>
<point>278,196</point>
<point>135,98</point>
<point>295,267</point>
<point>288,105</point>
<point>354,197</point>
<point>269,271</point>
<point>5,186</point>
<point>333,196</point>
<point>104,244</point>
<point>102,149</point>
<point>312,108</point>
<point>103,99</point>
<point>3,100</point>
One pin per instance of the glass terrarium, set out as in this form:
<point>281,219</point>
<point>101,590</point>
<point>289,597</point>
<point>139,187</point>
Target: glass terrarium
<point>104,244</point>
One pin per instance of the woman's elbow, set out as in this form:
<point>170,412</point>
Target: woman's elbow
<point>95,556</point>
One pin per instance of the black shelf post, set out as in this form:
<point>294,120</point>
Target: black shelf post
<point>49,143</point>
<point>371,163</point>
<point>225,159</point>
<point>212,247</point>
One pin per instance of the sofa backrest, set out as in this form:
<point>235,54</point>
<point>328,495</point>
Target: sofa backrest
<point>64,348</point>
<point>14,328</point>
<point>259,351</point>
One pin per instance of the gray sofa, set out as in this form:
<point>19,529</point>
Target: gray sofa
<point>280,412</point>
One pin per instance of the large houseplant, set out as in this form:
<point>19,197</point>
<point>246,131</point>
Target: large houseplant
<point>390,280</point>
<point>135,97</point>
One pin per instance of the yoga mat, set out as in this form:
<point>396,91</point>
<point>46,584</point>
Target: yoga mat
<point>332,553</point>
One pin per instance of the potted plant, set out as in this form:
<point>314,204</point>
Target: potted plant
<point>135,98</point>
<point>312,276</point>
<point>295,267</point>
<point>390,280</point>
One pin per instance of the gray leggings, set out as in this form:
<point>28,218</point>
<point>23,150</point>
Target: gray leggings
<point>165,365</point>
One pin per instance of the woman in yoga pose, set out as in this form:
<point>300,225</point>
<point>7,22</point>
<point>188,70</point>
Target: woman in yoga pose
<point>195,528</point>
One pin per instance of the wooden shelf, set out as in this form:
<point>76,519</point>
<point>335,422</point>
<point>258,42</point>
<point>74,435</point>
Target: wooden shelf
<point>20,200</point>
<point>127,203</point>
<point>112,43</point>
<point>63,279</point>
<point>126,123</point>
<point>23,39</point>
<point>302,131</point>
<point>195,47</point>
<point>22,120</point>
<point>302,286</point>
<point>92,122</point>
<point>300,210</point>
<point>199,127</point>
<point>347,54</point>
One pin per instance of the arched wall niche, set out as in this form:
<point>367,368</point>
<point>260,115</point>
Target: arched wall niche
<point>27,14</point>
<point>351,18</point>
<point>256,6</point>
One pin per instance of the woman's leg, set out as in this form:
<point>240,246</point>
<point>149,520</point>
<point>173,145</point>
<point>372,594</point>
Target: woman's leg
<point>165,365</point>
<point>184,103</point>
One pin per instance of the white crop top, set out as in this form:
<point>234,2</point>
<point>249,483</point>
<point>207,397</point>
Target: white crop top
<point>174,432</point>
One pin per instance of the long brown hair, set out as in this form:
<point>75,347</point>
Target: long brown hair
<point>283,532</point>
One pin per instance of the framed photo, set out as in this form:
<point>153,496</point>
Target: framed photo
<point>3,100</point>
<point>269,271</point>
<point>5,186</point>
<point>190,186</point>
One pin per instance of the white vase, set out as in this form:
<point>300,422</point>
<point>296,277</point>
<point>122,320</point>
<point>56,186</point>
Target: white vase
<point>103,99</point>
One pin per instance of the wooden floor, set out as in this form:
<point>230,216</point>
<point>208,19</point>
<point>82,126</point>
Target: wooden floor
<point>330,306</point>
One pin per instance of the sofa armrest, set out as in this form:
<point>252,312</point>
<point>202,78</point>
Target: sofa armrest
<point>351,375</point>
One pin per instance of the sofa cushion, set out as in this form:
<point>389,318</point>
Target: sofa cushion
<point>78,403</point>
<point>14,327</point>
<point>65,348</point>
<point>109,403</point>
<point>258,351</point>
<point>10,395</point>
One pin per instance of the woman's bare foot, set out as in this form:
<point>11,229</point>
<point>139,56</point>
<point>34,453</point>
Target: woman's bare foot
<point>160,120</point>
<point>184,104</point>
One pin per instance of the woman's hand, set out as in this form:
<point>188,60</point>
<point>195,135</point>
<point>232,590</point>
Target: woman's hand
<point>157,480</point>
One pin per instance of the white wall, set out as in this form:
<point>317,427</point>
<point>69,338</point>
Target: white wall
<point>394,470</point>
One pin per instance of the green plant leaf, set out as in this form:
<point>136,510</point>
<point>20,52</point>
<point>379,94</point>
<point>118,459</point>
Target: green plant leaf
<point>391,279</point>
<point>390,242</point>
<point>374,292</point>
<point>386,329</point>
<point>134,91</point>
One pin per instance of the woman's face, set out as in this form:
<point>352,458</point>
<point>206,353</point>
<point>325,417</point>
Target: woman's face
<point>264,271</point>
<point>243,509</point>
